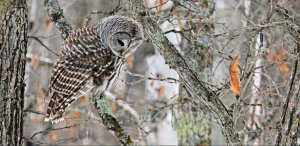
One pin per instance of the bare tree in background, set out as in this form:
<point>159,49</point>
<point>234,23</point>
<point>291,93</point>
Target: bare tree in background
<point>13,47</point>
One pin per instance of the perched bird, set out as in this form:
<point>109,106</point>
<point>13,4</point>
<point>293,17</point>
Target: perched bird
<point>91,59</point>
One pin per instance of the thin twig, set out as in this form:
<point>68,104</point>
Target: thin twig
<point>46,47</point>
<point>113,11</point>
<point>168,79</point>
<point>54,129</point>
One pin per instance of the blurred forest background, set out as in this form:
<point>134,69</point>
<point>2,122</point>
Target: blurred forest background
<point>150,100</point>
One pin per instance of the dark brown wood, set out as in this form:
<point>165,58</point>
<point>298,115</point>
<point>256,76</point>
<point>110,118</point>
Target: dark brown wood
<point>13,46</point>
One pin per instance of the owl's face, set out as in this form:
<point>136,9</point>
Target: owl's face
<point>121,34</point>
<point>123,45</point>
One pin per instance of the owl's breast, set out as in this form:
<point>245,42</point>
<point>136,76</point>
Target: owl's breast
<point>106,75</point>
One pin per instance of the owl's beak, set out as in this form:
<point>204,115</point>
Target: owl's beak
<point>122,53</point>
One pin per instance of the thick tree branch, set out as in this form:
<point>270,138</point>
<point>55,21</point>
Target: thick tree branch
<point>191,81</point>
<point>288,114</point>
<point>56,15</point>
<point>109,121</point>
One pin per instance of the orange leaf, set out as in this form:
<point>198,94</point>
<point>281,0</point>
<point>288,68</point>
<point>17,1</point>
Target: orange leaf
<point>48,23</point>
<point>84,98</point>
<point>280,54</point>
<point>53,136</point>
<point>160,5</point>
<point>161,90</point>
<point>113,106</point>
<point>40,93</point>
<point>76,114</point>
<point>234,76</point>
<point>271,57</point>
<point>36,84</point>
<point>34,63</point>
<point>39,101</point>
<point>284,69</point>
<point>130,61</point>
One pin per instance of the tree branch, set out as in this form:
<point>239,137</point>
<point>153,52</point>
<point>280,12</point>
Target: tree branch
<point>56,15</point>
<point>191,81</point>
<point>109,121</point>
<point>288,112</point>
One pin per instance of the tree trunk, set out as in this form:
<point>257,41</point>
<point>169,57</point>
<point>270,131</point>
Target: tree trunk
<point>13,44</point>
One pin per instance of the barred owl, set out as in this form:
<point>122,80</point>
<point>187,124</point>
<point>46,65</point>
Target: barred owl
<point>91,58</point>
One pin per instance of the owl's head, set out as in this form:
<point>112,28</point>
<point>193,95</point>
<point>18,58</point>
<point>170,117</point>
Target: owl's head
<point>121,34</point>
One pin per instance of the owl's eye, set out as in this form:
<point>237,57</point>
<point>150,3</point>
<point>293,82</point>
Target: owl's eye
<point>121,42</point>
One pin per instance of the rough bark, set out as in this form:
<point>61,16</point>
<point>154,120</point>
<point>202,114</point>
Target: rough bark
<point>198,89</point>
<point>288,131</point>
<point>109,121</point>
<point>13,46</point>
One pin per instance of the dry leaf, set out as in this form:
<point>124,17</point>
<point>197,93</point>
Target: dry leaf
<point>40,93</point>
<point>161,90</point>
<point>114,106</point>
<point>34,63</point>
<point>280,54</point>
<point>76,114</point>
<point>284,69</point>
<point>272,57</point>
<point>130,61</point>
<point>53,136</point>
<point>160,5</point>
<point>39,101</point>
<point>234,76</point>
<point>84,98</point>
<point>48,23</point>
<point>36,84</point>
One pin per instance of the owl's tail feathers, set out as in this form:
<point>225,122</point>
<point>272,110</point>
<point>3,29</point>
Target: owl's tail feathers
<point>54,112</point>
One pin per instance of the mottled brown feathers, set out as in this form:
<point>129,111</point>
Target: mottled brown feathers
<point>91,58</point>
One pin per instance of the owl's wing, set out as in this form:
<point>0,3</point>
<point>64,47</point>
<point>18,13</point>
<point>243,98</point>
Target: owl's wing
<point>72,74</point>
<point>67,84</point>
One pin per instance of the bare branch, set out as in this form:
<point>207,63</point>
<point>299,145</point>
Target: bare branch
<point>54,129</point>
<point>122,104</point>
<point>56,15</point>
<point>39,41</point>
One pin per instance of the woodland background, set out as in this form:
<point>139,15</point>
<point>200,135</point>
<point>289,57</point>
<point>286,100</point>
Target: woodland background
<point>178,93</point>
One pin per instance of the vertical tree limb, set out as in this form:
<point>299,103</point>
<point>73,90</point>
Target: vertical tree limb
<point>284,136</point>
<point>13,48</point>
